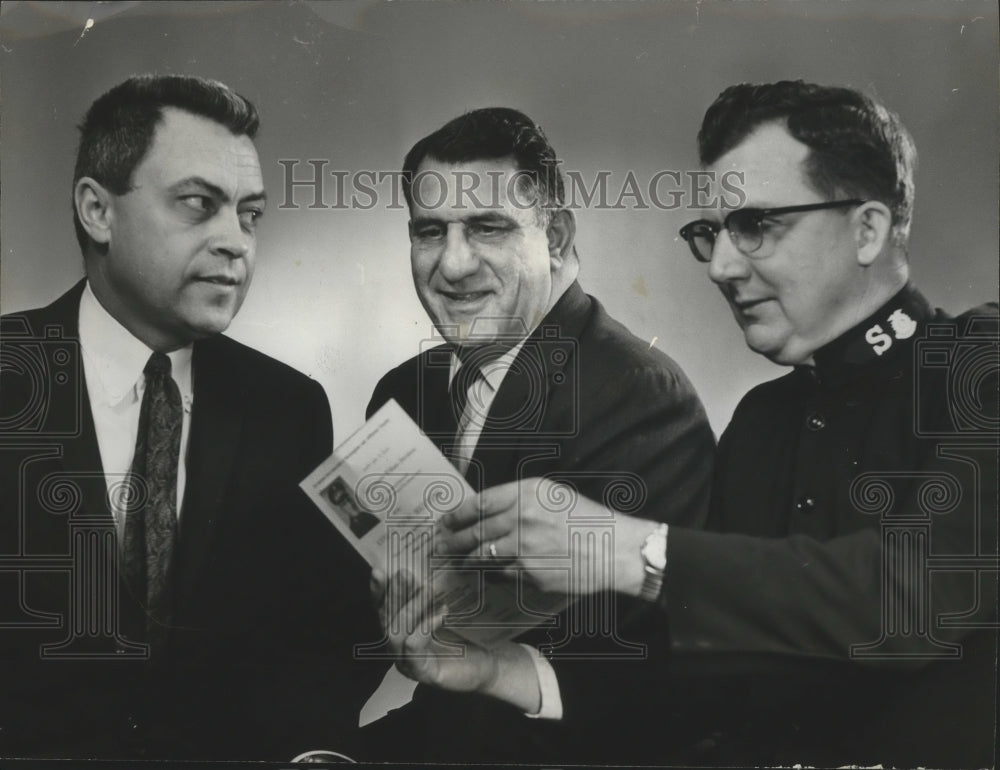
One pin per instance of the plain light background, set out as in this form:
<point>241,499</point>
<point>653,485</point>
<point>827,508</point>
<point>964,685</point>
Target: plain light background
<point>617,86</point>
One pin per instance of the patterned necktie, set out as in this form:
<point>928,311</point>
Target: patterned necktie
<point>151,525</point>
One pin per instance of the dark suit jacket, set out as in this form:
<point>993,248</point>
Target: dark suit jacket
<point>587,403</point>
<point>843,611</point>
<point>268,598</point>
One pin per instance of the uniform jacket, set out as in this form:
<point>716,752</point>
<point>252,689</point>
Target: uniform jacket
<point>841,603</point>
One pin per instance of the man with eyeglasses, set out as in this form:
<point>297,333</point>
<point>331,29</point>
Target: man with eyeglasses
<point>842,609</point>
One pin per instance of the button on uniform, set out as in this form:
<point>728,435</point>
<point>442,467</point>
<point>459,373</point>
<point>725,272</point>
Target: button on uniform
<point>815,421</point>
<point>805,504</point>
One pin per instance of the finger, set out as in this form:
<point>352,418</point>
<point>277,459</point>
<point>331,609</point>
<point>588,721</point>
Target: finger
<point>420,641</point>
<point>467,541</point>
<point>503,498</point>
<point>551,576</point>
<point>490,502</point>
<point>398,592</point>
<point>466,512</point>
<point>503,552</point>
<point>414,610</point>
<point>376,586</point>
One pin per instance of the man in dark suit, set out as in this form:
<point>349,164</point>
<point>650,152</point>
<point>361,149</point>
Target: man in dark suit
<point>840,609</point>
<point>533,378</point>
<point>166,591</point>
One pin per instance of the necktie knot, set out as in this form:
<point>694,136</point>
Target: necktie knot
<point>464,379</point>
<point>158,363</point>
<point>476,361</point>
<point>465,376</point>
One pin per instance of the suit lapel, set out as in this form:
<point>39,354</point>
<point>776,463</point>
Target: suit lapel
<point>519,410</point>
<point>434,414</point>
<point>70,421</point>
<point>216,423</point>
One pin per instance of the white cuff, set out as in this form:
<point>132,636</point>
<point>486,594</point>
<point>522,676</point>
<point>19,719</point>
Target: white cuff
<point>548,685</point>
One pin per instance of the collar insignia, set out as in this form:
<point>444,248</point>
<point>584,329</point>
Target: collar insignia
<point>903,326</point>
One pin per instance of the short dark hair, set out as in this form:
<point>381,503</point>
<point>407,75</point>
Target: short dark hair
<point>859,148</point>
<point>118,129</point>
<point>493,133</point>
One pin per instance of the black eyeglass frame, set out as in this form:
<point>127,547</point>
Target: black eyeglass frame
<point>754,215</point>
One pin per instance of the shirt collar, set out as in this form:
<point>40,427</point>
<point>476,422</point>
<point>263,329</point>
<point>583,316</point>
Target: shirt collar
<point>118,358</point>
<point>884,336</point>
<point>567,314</point>
<point>494,371</point>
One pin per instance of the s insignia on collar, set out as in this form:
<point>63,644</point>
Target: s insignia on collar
<point>878,339</point>
<point>903,326</point>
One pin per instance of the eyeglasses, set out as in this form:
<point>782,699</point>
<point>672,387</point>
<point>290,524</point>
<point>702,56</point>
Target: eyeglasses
<point>748,229</point>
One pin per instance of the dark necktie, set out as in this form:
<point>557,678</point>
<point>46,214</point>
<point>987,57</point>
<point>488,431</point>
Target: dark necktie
<point>151,526</point>
<point>459,392</point>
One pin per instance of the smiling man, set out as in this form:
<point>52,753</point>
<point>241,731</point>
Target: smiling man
<point>533,378</point>
<point>197,606</point>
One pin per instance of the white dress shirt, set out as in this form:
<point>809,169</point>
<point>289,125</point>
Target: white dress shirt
<point>113,361</point>
<point>396,689</point>
<point>481,393</point>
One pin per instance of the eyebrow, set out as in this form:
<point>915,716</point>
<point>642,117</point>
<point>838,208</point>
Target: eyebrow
<point>215,190</point>
<point>473,219</point>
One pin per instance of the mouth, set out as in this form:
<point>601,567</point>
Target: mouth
<point>464,297</point>
<point>220,280</point>
<point>743,305</point>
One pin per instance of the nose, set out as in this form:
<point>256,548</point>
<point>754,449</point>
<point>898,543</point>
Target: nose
<point>458,260</point>
<point>728,263</point>
<point>230,239</point>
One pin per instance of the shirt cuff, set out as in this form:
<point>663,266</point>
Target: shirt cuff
<point>548,685</point>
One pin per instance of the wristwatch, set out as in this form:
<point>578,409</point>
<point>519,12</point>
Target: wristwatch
<point>654,560</point>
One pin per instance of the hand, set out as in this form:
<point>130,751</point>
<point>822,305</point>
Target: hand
<point>529,526</point>
<point>412,625</point>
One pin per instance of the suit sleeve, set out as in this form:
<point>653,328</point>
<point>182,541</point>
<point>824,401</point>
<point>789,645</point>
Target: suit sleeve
<point>321,684</point>
<point>322,434</point>
<point>647,424</point>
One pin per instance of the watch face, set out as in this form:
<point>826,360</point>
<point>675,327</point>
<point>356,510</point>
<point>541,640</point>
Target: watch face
<point>654,551</point>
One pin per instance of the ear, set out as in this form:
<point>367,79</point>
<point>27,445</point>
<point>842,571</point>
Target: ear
<point>561,233</point>
<point>93,207</point>
<point>873,226</point>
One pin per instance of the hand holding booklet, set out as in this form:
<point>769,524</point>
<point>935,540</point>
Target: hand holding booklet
<point>384,488</point>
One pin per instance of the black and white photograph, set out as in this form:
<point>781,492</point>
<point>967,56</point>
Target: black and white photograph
<point>358,520</point>
<point>700,297</point>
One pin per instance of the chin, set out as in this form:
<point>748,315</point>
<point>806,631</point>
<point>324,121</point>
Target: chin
<point>453,332</point>
<point>210,326</point>
<point>784,356</point>
<point>762,344</point>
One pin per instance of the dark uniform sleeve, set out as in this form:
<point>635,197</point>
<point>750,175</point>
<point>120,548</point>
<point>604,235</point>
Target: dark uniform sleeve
<point>647,424</point>
<point>821,597</point>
